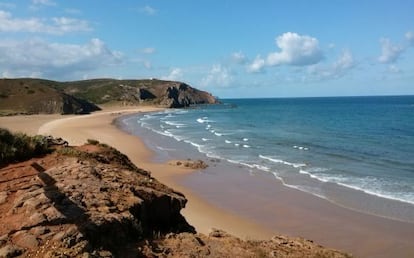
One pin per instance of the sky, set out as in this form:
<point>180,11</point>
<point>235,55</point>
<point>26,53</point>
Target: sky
<point>233,49</point>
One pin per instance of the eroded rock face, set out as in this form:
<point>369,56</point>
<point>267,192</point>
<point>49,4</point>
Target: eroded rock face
<point>78,202</point>
<point>178,95</point>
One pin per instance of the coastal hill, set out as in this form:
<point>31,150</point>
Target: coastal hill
<point>92,201</point>
<point>35,96</point>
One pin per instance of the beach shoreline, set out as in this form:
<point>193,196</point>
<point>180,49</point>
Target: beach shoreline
<point>291,212</point>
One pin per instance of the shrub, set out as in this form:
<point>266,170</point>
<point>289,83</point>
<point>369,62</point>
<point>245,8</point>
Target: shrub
<point>19,147</point>
<point>92,142</point>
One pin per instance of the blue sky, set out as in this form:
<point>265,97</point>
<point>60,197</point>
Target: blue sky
<point>230,48</point>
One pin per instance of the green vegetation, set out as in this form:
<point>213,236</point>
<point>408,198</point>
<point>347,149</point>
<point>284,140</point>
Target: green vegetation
<point>93,142</point>
<point>20,147</point>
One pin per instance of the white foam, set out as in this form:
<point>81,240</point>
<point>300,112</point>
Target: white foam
<point>165,149</point>
<point>246,146</point>
<point>300,147</point>
<point>368,186</point>
<point>236,144</point>
<point>205,139</point>
<point>261,167</point>
<point>176,124</point>
<point>203,120</point>
<point>312,175</point>
<point>245,139</point>
<point>295,165</point>
<point>227,141</point>
<point>218,134</point>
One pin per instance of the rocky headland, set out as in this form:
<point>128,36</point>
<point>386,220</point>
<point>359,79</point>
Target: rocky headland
<point>37,96</point>
<point>91,201</point>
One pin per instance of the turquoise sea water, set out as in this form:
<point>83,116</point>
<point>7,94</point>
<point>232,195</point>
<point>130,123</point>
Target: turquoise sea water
<point>361,143</point>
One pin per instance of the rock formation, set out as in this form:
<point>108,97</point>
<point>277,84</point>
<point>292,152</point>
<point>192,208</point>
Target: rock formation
<point>192,164</point>
<point>80,200</point>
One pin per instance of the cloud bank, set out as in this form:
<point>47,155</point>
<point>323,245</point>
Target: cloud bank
<point>56,25</point>
<point>54,60</point>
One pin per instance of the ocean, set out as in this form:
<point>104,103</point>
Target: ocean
<point>360,144</point>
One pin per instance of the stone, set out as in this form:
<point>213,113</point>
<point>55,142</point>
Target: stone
<point>36,219</point>
<point>9,251</point>
<point>38,231</point>
<point>3,197</point>
<point>27,241</point>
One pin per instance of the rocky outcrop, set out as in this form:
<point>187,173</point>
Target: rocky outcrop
<point>76,201</point>
<point>220,244</point>
<point>165,93</point>
<point>134,92</point>
<point>192,164</point>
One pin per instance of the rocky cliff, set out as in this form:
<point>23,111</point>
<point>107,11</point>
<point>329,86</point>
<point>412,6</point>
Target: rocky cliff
<point>34,96</point>
<point>132,92</point>
<point>91,201</point>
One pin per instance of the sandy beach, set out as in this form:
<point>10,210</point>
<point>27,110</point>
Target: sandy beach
<point>224,203</point>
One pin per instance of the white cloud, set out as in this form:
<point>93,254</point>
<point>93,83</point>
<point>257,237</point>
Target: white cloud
<point>409,36</point>
<point>295,49</point>
<point>55,60</point>
<point>148,10</point>
<point>44,2</point>
<point>343,64</point>
<point>148,50</point>
<point>57,25</point>
<point>389,52</point>
<point>218,76</point>
<point>238,57</point>
<point>174,75</point>
<point>257,65</point>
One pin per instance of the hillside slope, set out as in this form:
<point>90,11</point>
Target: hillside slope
<point>33,96</point>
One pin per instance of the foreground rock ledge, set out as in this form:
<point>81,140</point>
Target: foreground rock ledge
<point>91,201</point>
